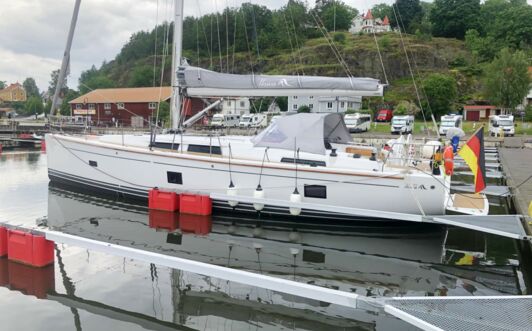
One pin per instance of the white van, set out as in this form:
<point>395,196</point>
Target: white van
<point>225,120</point>
<point>504,122</point>
<point>253,121</point>
<point>357,122</point>
<point>450,121</point>
<point>402,124</point>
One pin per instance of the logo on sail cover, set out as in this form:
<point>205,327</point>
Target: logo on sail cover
<point>274,83</point>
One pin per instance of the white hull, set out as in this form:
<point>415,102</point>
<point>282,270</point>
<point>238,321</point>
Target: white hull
<point>135,170</point>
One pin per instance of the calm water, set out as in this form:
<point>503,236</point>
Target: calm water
<point>85,290</point>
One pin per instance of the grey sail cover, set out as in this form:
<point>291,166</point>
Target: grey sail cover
<point>306,132</point>
<point>194,77</point>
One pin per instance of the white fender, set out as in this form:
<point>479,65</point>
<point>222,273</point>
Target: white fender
<point>232,191</point>
<point>258,194</point>
<point>295,197</point>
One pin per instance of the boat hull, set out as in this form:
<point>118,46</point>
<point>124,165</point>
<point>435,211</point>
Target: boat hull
<point>132,171</point>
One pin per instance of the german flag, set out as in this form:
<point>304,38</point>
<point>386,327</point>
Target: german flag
<point>473,154</point>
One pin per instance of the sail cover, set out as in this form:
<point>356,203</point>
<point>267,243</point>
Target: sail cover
<point>306,132</point>
<point>198,81</point>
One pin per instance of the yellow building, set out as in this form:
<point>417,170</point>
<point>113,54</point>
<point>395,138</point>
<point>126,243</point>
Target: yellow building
<point>14,92</point>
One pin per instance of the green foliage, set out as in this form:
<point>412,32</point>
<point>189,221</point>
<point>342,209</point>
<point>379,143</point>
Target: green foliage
<point>405,107</point>
<point>65,108</point>
<point>93,79</point>
<point>54,77</point>
<point>31,87</point>
<point>33,105</point>
<point>408,12</point>
<point>164,112</point>
<point>507,81</point>
<point>3,84</point>
<point>282,102</point>
<point>336,15</point>
<point>441,93</point>
<point>528,113</point>
<point>339,37</point>
<point>141,76</point>
<point>452,18</point>
<point>381,10</point>
<point>384,42</point>
<point>303,109</point>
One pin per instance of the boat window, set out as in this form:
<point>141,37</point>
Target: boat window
<point>93,163</point>
<point>174,177</point>
<point>165,145</point>
<point>316,191</point>
<point>205,149</point>
<point>311,163</point>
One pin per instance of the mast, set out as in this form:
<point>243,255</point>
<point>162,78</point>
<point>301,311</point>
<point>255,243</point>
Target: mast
<point>175,102</point>
<point>66,57</point>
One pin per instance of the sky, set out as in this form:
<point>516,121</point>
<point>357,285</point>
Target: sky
<point>34,32</point>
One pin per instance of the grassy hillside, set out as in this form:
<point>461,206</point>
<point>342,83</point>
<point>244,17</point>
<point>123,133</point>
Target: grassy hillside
<point>316,57</point>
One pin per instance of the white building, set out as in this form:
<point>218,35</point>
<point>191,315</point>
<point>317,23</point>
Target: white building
<point>239,106</point>
<point>324,104</point>
<point>368,24</point>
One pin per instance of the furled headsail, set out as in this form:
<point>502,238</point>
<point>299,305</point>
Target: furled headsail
<point>201,82</point>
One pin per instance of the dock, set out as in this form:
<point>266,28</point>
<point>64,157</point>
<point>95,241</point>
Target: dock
<point>516,163</point>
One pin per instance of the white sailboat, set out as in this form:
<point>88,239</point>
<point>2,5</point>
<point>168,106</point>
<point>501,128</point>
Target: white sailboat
<point>302,158</point>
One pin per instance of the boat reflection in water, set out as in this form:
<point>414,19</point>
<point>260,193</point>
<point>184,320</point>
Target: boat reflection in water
<point>388,261</point>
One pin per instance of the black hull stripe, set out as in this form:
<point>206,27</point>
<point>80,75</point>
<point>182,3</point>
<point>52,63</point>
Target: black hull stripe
<point>218,205</point>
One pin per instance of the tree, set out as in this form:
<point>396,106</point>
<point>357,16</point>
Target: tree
<point>31,87</point>
<point>336,15</point>
<point>2,84</point>
<point>65,108</point>
<point>452,18</point>
<point>381,10</point>
<point>408,12</point>
<point>440,91</point>
<point>303,109</point>
<point>33,105</point>
<point>507,81</point>
<point>54,77</point>
<point>93,79</point>
<point>141,76</point>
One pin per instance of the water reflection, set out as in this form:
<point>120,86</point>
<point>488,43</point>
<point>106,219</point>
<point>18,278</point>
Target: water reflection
<point>108,292</point>
<point>381,261</point>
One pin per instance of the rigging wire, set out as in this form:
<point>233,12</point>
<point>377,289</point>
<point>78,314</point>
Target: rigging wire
<point>410,66</point>
<point>155,46</point>
<point>417,70</point>
<point>331,43</point>
<point>219,39</point>
<point>296,39</point>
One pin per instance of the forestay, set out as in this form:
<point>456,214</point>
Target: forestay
<point>304,132</point>
<point>202,82</point>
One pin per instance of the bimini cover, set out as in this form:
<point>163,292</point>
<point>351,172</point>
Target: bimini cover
<point>306,132</point>
<point>194,77</point>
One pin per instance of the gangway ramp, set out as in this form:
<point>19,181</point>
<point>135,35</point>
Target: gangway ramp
<point>509,226</point>
<point>503,225</point>
<point>491,190</point>
<point>489,313</point>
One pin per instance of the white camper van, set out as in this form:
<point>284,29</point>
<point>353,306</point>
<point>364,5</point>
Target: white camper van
<point>253,121</point>
<point>504,122</point>
<point>225,120</point>
<point>357,122</point>
<point>450,121</point>
<point>402,124</point>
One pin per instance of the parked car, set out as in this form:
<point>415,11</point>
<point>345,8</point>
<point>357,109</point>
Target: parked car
<point>384,115</point>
